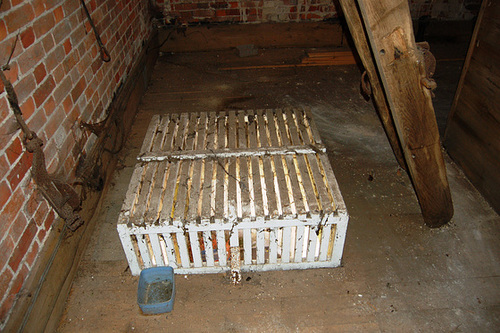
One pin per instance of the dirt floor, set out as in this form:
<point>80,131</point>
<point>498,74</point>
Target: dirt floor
<point>397,274</point>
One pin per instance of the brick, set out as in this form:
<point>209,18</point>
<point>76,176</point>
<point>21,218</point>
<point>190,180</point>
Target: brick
<point>41,213</point>
<point>38,7</point>
<point>32,204</point>
<point>27,37</point>
<point>25,87</point>
<point>54,58</point>
<point>44,24</point>
<point>36,122</point>
<point>58,14</point>
<point>51,3</point>
<point>28,108</point>
<point>70,7</point>
<point>78,89</point>
<point>19,17</point>
<point>219,5</point>
<point>40,73</point>
<point>49,220</point>
<point>18,172</point>
<point>18,226</point>
<point>18,281</point>
<point>14,150</point>
<point>53,125</point>
<point>48,43</point>
<point>49,106</point>
<point>61,31</point>
<point>3,30</point>
<point>67,104</point>
<point>4,194</point>
<point>67,46</point>
<point>29,59</point>
<point>22,247</point>
<point>59,74</point>
<point>43,91</point>
<point>70,61</point>
<point>32,254</point>
<point>4,108</point>
<point>63,89</point>
<point>4,167</point>
<point>41,235</point>
<point>5,279</point>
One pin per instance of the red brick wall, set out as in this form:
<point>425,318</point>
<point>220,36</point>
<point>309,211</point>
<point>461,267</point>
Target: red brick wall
<point>60,80</point>
<point>247,11</point>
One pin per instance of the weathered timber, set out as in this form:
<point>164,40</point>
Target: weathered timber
<point>472,133</point>
<point>358,34</point>
<point>264,35</point>
<point>400,64</point>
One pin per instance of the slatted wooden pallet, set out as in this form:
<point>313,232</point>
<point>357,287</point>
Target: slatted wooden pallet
<point>257,180</point>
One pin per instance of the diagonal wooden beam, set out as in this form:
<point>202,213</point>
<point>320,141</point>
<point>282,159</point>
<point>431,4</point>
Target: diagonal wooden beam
<point>402,71</point>
<point>358,34</point>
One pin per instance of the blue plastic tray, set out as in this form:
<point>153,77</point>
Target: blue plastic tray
<point>156,290</point>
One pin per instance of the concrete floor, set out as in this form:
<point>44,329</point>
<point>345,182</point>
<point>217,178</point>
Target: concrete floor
<point>397,274</point>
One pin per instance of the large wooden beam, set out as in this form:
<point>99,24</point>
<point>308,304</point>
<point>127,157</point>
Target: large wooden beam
<point>402,70</point>
<point>357,31</point>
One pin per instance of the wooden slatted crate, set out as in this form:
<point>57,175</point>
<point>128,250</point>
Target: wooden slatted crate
<point>256,180</point>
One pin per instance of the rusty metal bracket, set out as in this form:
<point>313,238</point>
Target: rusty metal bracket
<point>430,66</point>
<point>61,196</point>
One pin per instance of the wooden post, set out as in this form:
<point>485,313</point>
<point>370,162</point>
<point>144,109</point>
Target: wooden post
<point>357,30</point>
<point>389,28</point>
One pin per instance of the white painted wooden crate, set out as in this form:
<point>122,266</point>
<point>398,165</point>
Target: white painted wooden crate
<point>257,180</point>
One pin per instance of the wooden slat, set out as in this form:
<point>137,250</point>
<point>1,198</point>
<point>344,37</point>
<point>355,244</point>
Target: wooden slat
<point>243,185</point>
<point>183,250</point>
<point>261,254</point>
<point>287,236</point>
<point>209,250</point>
<point>133,189</point>
<point>161,133</point>
<point>255,172</point>
<point>295,196</point>
<point>247,246</point>
<point>145,192</point>
<point>147,143</point>
<point>142,243</point>
<point>128,248</point>
<point>185,180</point>
<point>325,242</point>
<point>180,131</point>
<point>265,164</point>
<point>221,248</point>
<point>170,189</point>
<point>280,182</point>
<point>169,244</point>
<point>155,201</point>
<point>155,246</point>
<point>195,248</point>
<point>299,243</point>
<point>273,246</point>
<point>302,171</point>
<point>171,132</point>
<point>311,247</point>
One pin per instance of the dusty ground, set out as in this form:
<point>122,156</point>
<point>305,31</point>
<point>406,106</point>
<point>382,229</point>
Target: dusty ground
<point>397,274</point>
